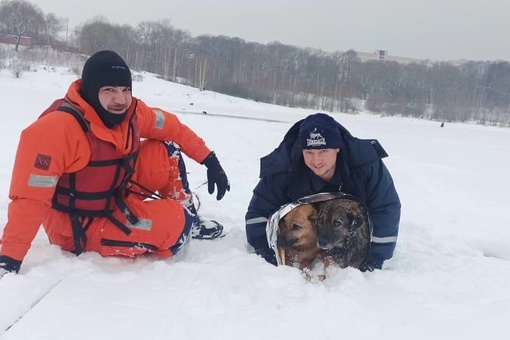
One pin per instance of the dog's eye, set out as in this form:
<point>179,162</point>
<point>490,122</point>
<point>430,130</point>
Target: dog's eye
<point>296,227</point>
<point>337,223</point>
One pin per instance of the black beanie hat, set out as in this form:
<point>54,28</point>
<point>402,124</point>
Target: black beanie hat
<point>104,68</point>
<point>319,131</point>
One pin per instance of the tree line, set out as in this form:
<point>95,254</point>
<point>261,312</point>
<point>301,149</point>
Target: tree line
<point>282,74</point>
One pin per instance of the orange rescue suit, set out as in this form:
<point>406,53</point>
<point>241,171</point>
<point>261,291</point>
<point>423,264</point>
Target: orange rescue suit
<point>55,145</point>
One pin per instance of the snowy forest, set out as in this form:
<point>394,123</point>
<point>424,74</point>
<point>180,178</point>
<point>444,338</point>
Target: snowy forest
<point>276,73</point>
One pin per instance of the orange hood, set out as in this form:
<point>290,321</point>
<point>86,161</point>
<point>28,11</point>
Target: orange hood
<point>118,135</point>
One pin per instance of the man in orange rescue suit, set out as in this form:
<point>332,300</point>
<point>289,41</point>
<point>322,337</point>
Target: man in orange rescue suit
<point>82,171</point>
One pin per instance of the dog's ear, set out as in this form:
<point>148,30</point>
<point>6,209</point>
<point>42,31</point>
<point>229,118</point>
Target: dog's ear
<point>281,223</point>
<point>355,221</point>
<point>314,214</point>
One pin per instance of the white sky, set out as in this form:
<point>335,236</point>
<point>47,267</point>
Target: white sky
<point>449,278</point>
<point>426,29</point>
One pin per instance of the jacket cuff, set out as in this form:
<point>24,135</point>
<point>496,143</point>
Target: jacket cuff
<point>211,160</point>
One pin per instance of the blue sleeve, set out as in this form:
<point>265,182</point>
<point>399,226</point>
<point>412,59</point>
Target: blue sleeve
<point>383,205</point>
<point>268,196</point>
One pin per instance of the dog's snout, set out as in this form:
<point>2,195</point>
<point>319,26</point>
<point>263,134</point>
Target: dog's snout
<point>285,242</point>
<point>326,239</point>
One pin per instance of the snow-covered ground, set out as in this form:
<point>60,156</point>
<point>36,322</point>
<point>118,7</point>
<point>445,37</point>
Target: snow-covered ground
<point>449,278</point>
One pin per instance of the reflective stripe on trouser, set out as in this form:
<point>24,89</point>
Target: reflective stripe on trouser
<point>163,225</point>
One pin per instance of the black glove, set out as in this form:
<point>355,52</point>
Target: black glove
<point>374,262</point>
<point>267,254</point>
<point>9,264</point>
<point>216,175</point>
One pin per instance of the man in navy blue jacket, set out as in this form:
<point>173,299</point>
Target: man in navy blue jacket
<point>319,155</point>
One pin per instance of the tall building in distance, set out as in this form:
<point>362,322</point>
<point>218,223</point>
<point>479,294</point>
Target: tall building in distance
<point>383,55</point>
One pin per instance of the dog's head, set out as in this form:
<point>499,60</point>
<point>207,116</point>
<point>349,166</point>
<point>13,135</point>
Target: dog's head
<point>336,221</point>
<point>297,229</point>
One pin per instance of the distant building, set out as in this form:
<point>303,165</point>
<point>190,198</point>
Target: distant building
<point>11,40</point>
<point>383,55</point>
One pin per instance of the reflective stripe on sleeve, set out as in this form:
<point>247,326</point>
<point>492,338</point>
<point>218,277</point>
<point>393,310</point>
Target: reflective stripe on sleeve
<point>39,181</point>
<point>256,220</point>
<point>160,119</point>
<point>388,239</point>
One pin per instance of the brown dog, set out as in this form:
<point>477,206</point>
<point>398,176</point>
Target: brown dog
<point>297,236</point>
<point>344,230</point>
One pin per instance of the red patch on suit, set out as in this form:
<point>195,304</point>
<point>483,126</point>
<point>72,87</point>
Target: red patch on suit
<point>42,162</point>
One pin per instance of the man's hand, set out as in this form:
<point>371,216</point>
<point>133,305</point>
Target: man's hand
<point>216,176</point>
<point>267,254</point>
<point>373,263</point>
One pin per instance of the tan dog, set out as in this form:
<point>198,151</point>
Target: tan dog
<point>297,237</point>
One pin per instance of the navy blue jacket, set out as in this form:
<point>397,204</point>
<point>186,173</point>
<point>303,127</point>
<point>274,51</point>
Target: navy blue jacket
<point>284,178</point>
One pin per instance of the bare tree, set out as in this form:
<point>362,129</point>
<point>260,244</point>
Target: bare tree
<point>443,81</point>
<point>19,17</point>
<point>367,74</point>
<point>156,39</point>
<point>346,64</point>
<point>93,35</point>
<point>393,80</point>
<point>497,84</point>
<point>414,90</point>
<point>98,34</point>
<point>52,26</point>
<point>202,59</point>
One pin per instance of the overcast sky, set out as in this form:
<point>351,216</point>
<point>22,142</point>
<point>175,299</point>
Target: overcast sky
<point>426,29</point>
